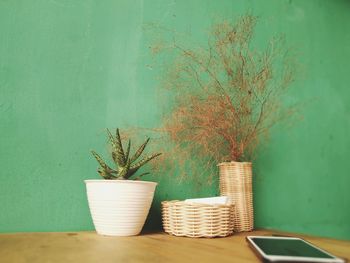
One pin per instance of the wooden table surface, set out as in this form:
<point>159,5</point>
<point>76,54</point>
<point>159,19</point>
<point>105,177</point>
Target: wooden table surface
<point>155,247</point>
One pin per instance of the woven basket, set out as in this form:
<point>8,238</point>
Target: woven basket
<point>236,183</point>
<point>197,220</point>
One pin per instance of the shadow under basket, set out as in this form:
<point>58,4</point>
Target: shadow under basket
<point>197,220</point>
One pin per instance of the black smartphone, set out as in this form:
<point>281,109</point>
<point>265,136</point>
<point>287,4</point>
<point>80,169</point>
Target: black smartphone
<point>289,249</point>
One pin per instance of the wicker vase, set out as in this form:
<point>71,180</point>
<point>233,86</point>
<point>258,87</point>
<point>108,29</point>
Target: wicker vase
<point>236,183</point>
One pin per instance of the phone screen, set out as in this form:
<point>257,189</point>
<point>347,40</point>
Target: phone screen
<point>288,247</point>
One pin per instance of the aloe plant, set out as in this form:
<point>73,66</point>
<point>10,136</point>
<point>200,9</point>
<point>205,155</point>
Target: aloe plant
<point>126,165</point>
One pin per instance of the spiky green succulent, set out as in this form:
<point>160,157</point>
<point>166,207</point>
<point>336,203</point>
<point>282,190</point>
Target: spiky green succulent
<point>126,165</point>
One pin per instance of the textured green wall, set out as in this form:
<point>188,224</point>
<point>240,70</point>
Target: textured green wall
<point>69,69</point>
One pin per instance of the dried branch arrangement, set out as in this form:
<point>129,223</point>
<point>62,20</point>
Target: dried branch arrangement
<point>227,95</point>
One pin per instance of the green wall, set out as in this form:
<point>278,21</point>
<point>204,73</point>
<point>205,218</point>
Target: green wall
<point>69,69</point>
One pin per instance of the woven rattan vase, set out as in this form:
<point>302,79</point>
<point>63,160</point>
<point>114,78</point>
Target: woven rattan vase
<point>236,183</point>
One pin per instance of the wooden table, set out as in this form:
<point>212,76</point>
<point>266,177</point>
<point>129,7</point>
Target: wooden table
<point>154,247</point>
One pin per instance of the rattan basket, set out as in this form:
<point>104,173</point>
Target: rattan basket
<point>197,220</point>
<point>236,183</point>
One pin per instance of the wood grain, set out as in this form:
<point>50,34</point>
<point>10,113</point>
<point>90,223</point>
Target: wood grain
<point>154,247</point>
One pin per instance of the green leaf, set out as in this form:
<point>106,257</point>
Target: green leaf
<point>105,175</point>
<point>139,164</point>
<point>106,170</point>
<point>127,151</point>
<point>118,152</point>
<point>124,170</point>
<point>139,177</point>
<point>139,151</point>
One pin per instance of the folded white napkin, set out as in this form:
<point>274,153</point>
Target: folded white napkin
<point>219,200</point>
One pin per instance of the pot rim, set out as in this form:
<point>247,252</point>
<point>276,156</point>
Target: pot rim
<point>118,181</point>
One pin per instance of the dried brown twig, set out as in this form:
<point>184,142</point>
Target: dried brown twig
<point>227,96</point>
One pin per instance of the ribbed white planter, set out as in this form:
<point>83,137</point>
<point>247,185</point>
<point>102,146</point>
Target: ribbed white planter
<point>119,207</point>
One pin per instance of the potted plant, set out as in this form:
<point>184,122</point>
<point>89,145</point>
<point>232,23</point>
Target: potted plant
<point>119,206</point>
<point>226,99</point>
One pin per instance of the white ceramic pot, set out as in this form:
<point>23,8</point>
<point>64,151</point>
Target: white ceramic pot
<point>119,207</point>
